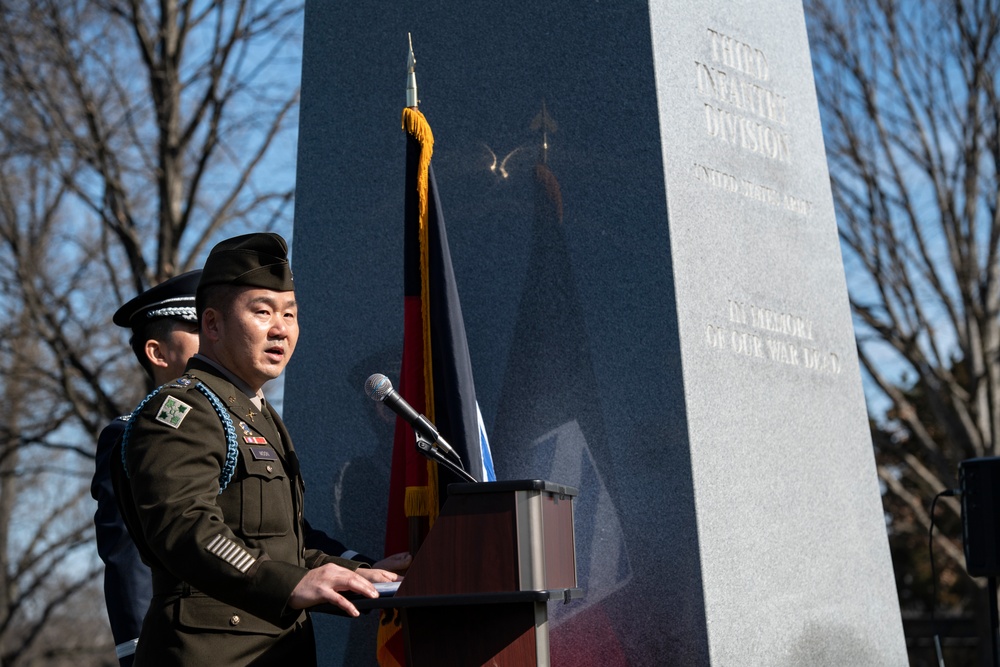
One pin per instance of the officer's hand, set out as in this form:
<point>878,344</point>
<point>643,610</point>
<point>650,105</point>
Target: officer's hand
<point>321,585</point>
<point>395,563</point>
<point>377,576</point>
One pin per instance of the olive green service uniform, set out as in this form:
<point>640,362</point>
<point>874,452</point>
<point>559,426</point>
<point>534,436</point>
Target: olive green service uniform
<point>224,563</point>
<point>209,485</point>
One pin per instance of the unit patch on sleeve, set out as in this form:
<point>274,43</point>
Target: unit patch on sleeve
<point>173,411</point>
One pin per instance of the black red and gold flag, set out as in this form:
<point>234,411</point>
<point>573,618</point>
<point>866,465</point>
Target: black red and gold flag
<point>435,374</point>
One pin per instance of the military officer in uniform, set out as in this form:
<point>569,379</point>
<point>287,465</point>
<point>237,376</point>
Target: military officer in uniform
<point>164,328</point>
<point>208,481</point>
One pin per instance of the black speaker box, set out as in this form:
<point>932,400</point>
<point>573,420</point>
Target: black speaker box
<point>980,484</point>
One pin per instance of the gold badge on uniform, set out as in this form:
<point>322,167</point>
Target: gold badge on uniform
<point>172,412</point>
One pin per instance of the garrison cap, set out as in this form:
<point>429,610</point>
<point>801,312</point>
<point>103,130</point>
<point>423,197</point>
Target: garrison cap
<point>174,298</point>
<point>251,260</point>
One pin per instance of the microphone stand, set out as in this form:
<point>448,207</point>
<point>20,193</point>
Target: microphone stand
<point>432,452</point>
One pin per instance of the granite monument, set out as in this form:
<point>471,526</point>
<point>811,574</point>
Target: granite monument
<point>642,230</point>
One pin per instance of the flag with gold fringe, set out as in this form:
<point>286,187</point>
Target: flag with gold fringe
<point>435,374</point>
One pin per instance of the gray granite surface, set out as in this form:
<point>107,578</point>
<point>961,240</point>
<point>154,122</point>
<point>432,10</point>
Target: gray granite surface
<point>642,231</point>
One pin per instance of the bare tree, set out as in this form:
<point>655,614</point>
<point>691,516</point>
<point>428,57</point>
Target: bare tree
<point>132,134</point>
<point>908,94</point>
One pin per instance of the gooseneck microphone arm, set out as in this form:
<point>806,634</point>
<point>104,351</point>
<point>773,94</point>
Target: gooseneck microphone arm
<point>432,452</point>
<point>379,388</point>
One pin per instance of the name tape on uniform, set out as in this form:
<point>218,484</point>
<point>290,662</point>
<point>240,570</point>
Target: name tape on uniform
<point>263,454</point>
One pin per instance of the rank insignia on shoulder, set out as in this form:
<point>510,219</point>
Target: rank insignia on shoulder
<point>173,411</point>
<point>254,440</point>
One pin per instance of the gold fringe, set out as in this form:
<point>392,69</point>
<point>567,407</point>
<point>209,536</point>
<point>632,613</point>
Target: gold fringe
<point>416,502</point>
<point>416,125</point>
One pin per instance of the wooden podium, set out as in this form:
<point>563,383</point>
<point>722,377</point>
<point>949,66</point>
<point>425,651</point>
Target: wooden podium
<point>478,589</point>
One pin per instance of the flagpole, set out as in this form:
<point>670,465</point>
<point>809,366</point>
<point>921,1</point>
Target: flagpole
<point>405,520</point>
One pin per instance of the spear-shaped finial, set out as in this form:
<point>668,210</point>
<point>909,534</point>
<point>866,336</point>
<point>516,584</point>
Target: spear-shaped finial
<point>411,77</point>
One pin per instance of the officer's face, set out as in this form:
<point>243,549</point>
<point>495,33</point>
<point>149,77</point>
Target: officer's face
<point>255,337</point>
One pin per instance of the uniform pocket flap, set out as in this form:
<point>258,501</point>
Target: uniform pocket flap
<point>200,612</point>
<point>263,467</point>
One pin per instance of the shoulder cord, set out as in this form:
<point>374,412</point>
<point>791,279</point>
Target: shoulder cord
<point>128,426</point>
<point>232,448</point>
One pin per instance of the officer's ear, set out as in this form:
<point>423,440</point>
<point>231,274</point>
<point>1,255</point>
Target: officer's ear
<point>154,352</point>
<point>211,324</point>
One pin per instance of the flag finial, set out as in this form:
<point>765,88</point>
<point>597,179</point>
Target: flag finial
<point>411,76</point>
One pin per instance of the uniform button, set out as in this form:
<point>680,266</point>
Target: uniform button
<point>235,620</point>
<point>270,468</point>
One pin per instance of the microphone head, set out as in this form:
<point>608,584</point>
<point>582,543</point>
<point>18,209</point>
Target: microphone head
<point>377,386</point>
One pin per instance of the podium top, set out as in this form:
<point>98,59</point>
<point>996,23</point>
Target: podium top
<point>513,485</point>
<point>363,604</point>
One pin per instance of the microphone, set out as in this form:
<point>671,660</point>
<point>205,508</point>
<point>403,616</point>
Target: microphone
<point>379,388</point>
